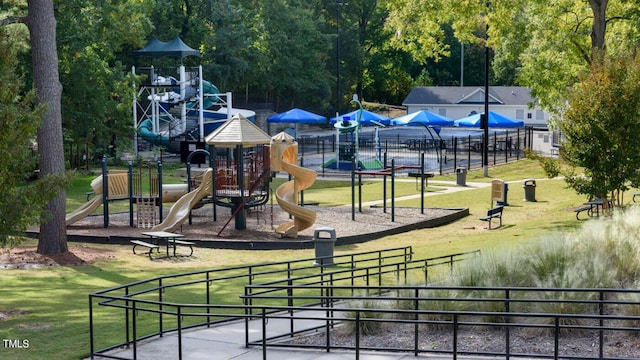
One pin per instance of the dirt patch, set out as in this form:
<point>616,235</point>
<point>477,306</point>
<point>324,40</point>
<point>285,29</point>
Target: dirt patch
<point>14,313</point>
<point>9,314</point>
<point>27,257</point>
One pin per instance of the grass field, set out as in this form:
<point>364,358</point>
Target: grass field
<point>51,305</point>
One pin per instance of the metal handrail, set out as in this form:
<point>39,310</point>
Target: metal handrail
<point>602,319</point>
<point>325,292</point>
<point>132,293</point>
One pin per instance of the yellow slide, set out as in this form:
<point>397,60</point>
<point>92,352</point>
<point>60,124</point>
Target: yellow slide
<point>84,210</point>
<point>287,193</point>
<point>180,210</point>
<point>119,189</point>
<point>90,206</point>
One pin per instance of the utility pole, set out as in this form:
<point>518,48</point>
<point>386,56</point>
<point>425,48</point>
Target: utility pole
<point>485,117</point>
<point>338,3</point>
<point>461,64</point>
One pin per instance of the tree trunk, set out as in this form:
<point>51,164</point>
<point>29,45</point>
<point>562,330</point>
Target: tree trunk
<point>599,27</point>
<point>42,27</point>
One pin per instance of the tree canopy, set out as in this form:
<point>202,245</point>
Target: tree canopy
<point>602,125</point>
<point>549,43</point>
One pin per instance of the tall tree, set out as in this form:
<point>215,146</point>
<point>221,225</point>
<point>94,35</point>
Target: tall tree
<point>21,197</point>
<point>95,99</point>
<point>291,48</point>
<point>601,127</point>
<point>552,41</point>
<point>41,23</point>
<point>226,52</point>
<point>42,27</point>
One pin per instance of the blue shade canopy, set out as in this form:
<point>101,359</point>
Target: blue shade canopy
<point>175,48</point>
<point>495,121</point>
<point>422,118</point>
<point>368,118</point>
<point>297,116</point>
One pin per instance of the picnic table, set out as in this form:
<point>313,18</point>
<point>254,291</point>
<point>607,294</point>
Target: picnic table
<point>159,238</point>
<point>423,179</point>
<point>592,207</point>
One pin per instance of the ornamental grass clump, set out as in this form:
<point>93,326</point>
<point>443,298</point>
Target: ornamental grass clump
<point>437,304</point>
<point>492,268</point>
<point>563,270</point>
<point>369,316</point>
<point>604,253</point>
<point>631,309</point>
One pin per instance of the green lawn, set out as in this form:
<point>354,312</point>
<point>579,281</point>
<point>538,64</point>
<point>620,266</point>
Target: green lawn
<point>52,304</point>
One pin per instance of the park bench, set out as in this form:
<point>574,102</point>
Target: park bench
<point>147,245</point>
<point>494,213</point>
<point>183,243</point>
<point>579,210</point>
<point>593,208</point>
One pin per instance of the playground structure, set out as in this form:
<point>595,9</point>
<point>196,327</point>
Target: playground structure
<point>284,157</point>
<point>175,106</point>
<point>240,172</point>
<point>119,190</point>
<point>241,164</point>
<point>180,210</point>
<point>243,161</point>
<point>347,154</point>
<point>128,185</point>
<point>389,172</point>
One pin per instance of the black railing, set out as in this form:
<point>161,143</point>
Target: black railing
<point>442,155</point>
<point>364,291</point>
<point>150,306</point>
<point>599,321</point>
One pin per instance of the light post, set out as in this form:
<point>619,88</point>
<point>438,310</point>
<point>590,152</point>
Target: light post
<point>484,120</point>
<point>338,3</point>
<point>357,129</point>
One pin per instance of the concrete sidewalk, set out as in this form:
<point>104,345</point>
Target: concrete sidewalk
<point>446,187</point>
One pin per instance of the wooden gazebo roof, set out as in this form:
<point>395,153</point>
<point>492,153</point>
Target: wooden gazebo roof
<point>238,131</point>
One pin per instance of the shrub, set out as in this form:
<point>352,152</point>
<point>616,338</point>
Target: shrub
<point>366,312</point>
<point>631,309</point>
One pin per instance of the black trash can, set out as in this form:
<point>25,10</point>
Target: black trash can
<point>529,190</point>
<point>324,245</point>
<point>461,174</point>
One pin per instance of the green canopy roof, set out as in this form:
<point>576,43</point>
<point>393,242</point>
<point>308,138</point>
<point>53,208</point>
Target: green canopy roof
<point>176,49</point>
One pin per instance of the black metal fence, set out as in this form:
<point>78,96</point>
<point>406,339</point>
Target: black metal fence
<point>443,154</point>
<point>469,321</point>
